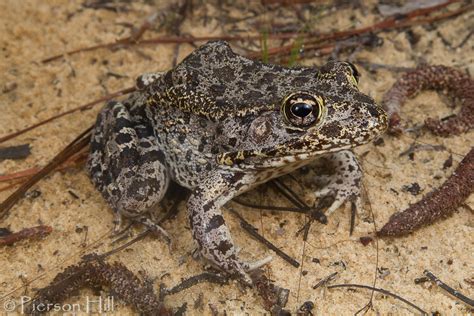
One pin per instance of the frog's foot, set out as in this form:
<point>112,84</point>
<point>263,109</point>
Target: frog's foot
<point>231,266</point>
<point>246,266</point>
<point>153,227</point>
<point>344,185</point>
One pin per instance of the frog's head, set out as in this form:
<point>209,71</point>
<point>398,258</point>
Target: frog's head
<point>331,115</point>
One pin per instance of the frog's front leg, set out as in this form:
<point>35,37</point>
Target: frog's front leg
<point>208,225</point>
<point>344,185</point>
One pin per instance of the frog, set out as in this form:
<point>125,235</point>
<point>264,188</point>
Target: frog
<point>220,124</point>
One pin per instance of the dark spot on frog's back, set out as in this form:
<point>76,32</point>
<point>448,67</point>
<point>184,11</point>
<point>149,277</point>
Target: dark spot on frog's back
<point>161,157</point>
<point>181,138</point>
<point>224,74</point>
<point>224,246</point>
<point>232,141</point>
<point>220,102</point>
<point>123,138</point>
<point>268,78</point>
<point>188,155</point>
<point>201,147</point>
<point>218,89</point>
<point>215,222</point>
<point>331,130</point>
<point>300,81</point>
<point>249,68</point>
<point>194,62</point>
<point>337,98</point>
<point>253,95</point>
<point>206,207</point>
<point>245,76</point>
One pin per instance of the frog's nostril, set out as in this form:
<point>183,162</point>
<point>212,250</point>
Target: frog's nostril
<point>374,111</point>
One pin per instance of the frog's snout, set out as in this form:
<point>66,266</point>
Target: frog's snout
<point>378,118</point>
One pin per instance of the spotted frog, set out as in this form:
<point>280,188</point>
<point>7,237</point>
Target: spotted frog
<point>220,124</point>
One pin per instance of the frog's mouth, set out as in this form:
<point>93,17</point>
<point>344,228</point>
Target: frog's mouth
<point>297,151</point>
<point>257,160</point>
<point>286,154</point>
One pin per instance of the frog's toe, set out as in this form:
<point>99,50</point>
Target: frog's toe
<point>254,265</point>
<point>251,266</point>
<point>117,222</point>
<point>337,203</point>
<point>243,269</point>
<point>357,201</point>
<point>339,193</point>
<point>245,278</point>
<point>323,192</point>
<point>240,269</point>
<point>236,268</point>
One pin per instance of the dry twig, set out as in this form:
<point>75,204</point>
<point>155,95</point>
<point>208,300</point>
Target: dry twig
<point>323,41</point>
<point>253,232</point>
<point>466,300</point>
<point>26,233</point>
<point>75,146</point>
<point>80,108</point>
<point>383,291</point>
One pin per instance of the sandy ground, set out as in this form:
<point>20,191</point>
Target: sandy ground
<point>32,30</point>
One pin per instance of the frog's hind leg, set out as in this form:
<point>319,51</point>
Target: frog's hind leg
<point>344,185</point>
<point>125,162</point>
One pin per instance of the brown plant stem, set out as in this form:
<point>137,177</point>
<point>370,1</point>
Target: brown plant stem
<point>439,203</point>
<point>437,77</point>
<point>80,108</point>
<point>75,146</point>
<point>26,233</point>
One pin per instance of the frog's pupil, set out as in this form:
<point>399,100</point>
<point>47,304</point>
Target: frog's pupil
<point>301,109</point>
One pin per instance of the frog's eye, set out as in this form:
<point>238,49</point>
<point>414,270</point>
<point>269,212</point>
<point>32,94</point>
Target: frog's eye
<point>354,74</point>
<point>302,109</point>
